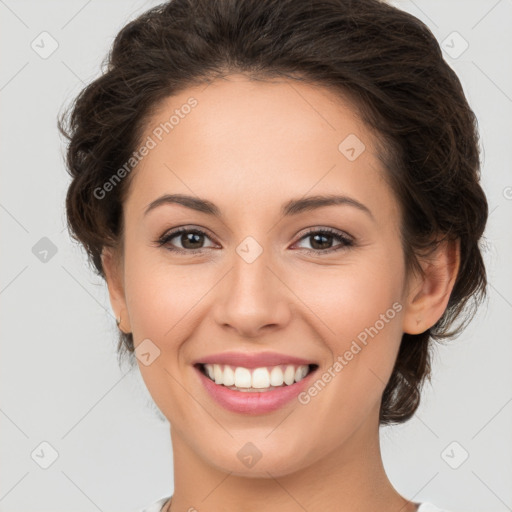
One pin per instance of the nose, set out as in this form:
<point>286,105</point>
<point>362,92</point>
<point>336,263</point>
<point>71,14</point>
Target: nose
<point>252,299</point>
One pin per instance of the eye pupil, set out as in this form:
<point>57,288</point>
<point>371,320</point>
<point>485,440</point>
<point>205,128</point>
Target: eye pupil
<point>193,238</point>
<point>324,245</point>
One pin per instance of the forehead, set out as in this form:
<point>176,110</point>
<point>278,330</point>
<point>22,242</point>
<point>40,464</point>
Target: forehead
<point>251,139</point>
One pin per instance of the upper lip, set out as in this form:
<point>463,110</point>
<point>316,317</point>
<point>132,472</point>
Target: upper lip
<point>248,360</point>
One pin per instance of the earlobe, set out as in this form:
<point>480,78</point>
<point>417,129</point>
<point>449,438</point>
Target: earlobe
<point>115,284</point>
<point>429,295</point>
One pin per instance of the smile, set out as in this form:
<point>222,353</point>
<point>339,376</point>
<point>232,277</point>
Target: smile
<point>256,379</point>
<point>257,390</point>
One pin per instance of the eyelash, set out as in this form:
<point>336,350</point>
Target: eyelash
<point>346,242</point>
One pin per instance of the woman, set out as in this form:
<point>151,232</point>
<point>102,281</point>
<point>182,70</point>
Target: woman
<point>283,198</point>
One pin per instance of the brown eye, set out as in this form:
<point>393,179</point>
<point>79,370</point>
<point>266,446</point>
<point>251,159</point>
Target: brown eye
<point>191,240</point>
<point>321,241</point>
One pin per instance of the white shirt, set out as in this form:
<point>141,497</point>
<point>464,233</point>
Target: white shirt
<point>157,506</point>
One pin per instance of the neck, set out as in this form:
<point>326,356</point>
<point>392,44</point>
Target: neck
<point>351,477</point>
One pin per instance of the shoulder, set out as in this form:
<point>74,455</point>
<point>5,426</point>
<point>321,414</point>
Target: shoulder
<point>156,506</point>
<point>429,507</point>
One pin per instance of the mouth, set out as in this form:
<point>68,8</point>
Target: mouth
<point>256,380</point>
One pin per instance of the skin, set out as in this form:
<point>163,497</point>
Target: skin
<point>249,147</point>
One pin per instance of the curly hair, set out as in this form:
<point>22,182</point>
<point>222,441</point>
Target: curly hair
<point>386,61</point>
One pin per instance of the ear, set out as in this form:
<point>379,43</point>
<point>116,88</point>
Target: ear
<point>429,294</point>
<point>115,282</point>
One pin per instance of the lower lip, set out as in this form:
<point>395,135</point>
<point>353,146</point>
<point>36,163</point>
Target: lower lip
<point>250,402</point>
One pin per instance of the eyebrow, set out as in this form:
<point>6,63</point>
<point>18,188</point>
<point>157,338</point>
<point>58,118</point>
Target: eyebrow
<point>290,208</point>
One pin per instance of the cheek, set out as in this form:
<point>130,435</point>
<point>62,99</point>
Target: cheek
<point>357,311</point>
<point>160,299</point>
<point>349,298</point>
<point>159,295</point>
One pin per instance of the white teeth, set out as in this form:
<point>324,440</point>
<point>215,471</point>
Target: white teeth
<point>289,375</point>
<point>228,378</point>
<point>217,373</point>
<point>257,378</point>
<point>260,378</point>
<point>300,373</point>
<point>242,377</point>
<point>276,376</point>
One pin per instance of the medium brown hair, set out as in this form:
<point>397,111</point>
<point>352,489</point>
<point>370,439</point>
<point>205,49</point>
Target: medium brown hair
<point>385,60</point>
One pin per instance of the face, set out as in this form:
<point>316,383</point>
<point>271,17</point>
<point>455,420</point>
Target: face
<point>263,274</point>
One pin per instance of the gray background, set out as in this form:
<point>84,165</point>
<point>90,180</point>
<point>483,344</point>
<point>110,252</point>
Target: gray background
<point>60,382</point>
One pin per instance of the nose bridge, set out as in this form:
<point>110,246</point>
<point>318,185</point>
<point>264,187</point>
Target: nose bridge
<point>252,297</point>
<point>250,280</point>
<point>250,269</point>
